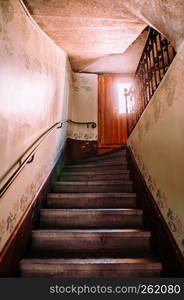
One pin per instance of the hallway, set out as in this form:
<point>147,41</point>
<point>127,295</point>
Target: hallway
<point>91,140</point>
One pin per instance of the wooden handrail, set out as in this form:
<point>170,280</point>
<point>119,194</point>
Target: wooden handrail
<point>28,156</point>
<point>92,124</point>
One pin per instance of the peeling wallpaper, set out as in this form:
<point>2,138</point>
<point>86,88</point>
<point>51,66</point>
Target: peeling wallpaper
<point>158,146</point>
<point>83,106</point>
<point>35,84</point>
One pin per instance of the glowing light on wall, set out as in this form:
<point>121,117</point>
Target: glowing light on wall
<point>121,88</point>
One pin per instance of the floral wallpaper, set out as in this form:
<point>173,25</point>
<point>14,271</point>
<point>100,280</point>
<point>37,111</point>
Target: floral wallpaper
<point>24,189</point>
<point>87,134</point>
<point>35,88</point>
<point>83,106</point>
<point>174,221</point>
<point>158,145</point>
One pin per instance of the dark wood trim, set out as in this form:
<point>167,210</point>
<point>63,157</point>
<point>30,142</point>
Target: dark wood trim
<point>109,148</point>
<point>17,244</point>
<point>76,150</point>
<point>162,242</point>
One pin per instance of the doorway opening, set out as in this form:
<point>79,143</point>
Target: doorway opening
<point>112,112</point>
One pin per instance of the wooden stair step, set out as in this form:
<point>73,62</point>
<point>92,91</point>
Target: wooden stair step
<point>91,200</point>
<point>93,186</point>
<point>95,172</point>
<point>90,218</point>
<point>85,268</point>
<point>84,167</point>
<point>112,153</point>
<point>98,164</point>
<point>90,243</point>
<point>66,176</point>
<point>104,159</point>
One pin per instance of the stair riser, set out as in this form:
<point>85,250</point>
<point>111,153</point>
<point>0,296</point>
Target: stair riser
<point>115,154</point>
<point>94,177</point>
<point>97,168</point>
<point>89,246</point>
<point>102,159</point>
<point>91,273</point>
<point>99,164</point>
<point>107,159</point>
<point>93,188</point>
<point>96,172</point>
<point>87,220</point>
<point>92,203</point>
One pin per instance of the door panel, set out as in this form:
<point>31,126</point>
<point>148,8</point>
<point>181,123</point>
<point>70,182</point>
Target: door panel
<point>112,127</point>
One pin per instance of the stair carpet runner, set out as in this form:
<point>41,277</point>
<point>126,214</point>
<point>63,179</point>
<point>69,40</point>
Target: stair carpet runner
<point>90,226</point>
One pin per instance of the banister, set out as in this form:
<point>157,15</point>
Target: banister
<point>155,60</point>
<point>93,124</point>
<point>33,149</point>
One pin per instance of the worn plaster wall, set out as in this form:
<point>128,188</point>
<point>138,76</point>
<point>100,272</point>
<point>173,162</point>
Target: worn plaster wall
<point>83,106</point>
<point>35,80</point>
<point>158,146</point>
<point>164,15</point>
<point>88,30</point>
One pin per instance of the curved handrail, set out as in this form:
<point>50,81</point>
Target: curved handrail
<point>93,124</point>
<point>32,150</point>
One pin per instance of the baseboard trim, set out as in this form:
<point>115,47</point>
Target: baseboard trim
<point>163,243</point>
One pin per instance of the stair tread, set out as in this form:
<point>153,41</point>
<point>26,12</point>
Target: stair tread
<point>91,195</point>
<point>96,172</point>
<point>90,174</point>
<point>133,263</point>
<point>105,156</point>
<point>126,211</point>
<point>91,200</point>
<point>101,160</point>
<point>93,182</point>
<point>94,167</point>
<point>91,218</point>
<point>87,178</point>
<point>78,232</point>
<point>98,163</point>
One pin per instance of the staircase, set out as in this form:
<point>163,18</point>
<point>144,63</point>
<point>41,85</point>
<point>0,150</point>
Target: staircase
<point>90,226</point>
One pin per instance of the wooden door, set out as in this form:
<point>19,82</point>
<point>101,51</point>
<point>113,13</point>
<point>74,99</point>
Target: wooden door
<point>112,124</point>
